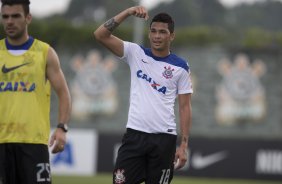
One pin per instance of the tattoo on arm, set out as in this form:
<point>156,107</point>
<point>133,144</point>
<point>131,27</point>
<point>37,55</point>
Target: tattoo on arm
<point>111,25</point>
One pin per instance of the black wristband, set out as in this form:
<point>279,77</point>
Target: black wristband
<point>63,126</point>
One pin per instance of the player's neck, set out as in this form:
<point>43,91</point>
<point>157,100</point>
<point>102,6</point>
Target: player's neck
<point>161,53</point>
<point>18,41</point>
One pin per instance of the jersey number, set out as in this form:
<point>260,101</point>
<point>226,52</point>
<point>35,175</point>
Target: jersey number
<point>165,176</point>
<point>43,167</point>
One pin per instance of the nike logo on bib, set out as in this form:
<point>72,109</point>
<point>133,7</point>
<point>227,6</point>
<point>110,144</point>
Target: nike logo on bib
<point>7,70</point>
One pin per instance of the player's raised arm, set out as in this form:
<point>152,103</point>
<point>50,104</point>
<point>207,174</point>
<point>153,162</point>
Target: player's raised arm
<point>104,33</point>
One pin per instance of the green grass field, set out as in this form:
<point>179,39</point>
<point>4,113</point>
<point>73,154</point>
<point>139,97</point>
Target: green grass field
<point>107,179</point>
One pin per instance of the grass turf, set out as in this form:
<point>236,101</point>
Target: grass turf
<point>107,179</point>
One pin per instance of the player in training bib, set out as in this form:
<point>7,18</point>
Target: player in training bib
<point>28,70</point>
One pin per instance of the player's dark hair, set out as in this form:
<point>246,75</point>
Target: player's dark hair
<point>164,18</point>
<point>24,3</point>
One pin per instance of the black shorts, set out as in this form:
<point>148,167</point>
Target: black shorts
<point>145,157</point>
<point>24,164</point>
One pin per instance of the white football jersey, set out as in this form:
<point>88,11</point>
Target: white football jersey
<point>155,84</point>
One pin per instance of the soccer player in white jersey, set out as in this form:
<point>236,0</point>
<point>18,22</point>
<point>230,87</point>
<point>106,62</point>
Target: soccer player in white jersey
<point>148,152</point>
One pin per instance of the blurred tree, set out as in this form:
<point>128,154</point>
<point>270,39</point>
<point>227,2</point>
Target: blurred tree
<point>265,14</point>
<point>199,23</point>
<point>194,12</point>
<point>85,11</point>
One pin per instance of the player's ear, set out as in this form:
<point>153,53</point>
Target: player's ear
<point>172,36</point>
<point>28,18</point>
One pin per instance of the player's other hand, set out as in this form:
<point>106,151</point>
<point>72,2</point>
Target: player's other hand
<point>138,11</point>
<point>180,157</point>
<point>58,141</point>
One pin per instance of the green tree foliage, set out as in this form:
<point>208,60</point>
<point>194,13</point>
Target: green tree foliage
<point>201,36</point>
<point>194,12</point>
<point>265,14</point>
<point>258,38</point>
<point>95,10</point>
<point>198,23</point>
<point>62,34</point>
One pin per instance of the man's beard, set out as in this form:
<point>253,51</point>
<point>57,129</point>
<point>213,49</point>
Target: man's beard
<point>15,36</point>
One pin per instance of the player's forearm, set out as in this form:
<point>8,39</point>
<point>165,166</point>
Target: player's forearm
<point>106,29</point>
<point>64,107</point>
<point>185,124</point>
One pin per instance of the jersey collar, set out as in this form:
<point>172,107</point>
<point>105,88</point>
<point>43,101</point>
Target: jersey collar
<point>24,46</point>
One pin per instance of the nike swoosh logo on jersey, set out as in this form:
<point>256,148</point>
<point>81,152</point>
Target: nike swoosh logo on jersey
<point>144,61</point>
<point>7,70</point>
<point>200,162</point>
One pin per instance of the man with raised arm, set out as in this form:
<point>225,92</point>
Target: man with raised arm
<point>148,151</point>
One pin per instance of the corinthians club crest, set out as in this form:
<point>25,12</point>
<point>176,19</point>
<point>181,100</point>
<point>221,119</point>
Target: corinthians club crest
<point>93,88</point>
<point>119,176</point>
<point>240,95</point>
<point>168,72</point>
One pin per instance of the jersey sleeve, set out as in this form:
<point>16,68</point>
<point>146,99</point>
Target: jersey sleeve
<point>185,83</point>
<point>128,51</point>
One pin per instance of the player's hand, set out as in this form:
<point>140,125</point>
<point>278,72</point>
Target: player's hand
<point>180,157</point>
<point>139,11</point>
<point>58,141</point>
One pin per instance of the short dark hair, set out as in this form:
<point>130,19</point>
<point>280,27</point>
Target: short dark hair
<point>24,3</point>
<point>165,18</point>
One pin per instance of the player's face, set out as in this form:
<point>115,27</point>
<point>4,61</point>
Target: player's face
<point>160,37</point>
<point>15,21</point>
